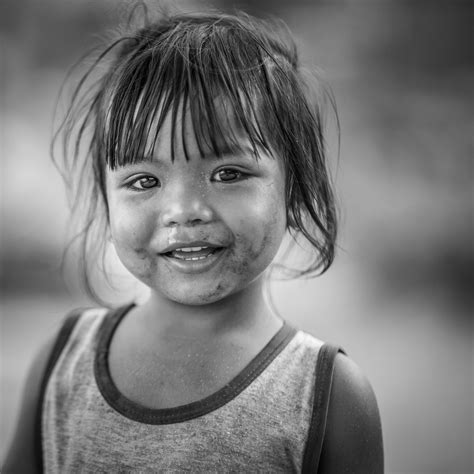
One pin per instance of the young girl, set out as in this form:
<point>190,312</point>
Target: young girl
<point>205,149</point>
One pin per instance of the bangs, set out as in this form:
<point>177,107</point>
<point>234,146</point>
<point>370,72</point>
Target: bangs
<point>208,78</point>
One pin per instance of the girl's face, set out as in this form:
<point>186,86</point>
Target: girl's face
<point>197,231</point>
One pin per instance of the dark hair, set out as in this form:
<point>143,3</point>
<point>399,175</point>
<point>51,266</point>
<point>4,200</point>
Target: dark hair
<point>201,61</point>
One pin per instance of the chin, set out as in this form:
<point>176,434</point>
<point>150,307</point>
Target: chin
<point>196,300</point>
<point>198,296</point>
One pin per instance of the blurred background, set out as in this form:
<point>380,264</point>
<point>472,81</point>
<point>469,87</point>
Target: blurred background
<point>399,295</point>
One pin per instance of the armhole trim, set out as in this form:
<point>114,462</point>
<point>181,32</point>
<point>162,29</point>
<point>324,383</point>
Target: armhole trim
<point>59,344</point>
<point>322,391</point>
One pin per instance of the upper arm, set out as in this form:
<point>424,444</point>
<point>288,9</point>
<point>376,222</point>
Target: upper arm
<point>21,456</point>
<point>353,440</point>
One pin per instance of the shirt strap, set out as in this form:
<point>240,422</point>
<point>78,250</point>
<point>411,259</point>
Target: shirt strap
<point>61,340</point>
<point>322,391</point>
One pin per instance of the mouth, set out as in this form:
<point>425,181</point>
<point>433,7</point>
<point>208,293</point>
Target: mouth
<point>193,258</point>
<point>194,253</point>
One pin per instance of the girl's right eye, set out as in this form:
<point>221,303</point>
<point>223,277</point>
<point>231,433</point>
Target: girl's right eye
<point>143,183</point>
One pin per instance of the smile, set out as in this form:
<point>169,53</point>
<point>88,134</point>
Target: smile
<point>194,260</point>
<point>193,253</point>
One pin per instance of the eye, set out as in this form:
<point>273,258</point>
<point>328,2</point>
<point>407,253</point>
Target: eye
<point>228,175</point>
<point>142,183</point>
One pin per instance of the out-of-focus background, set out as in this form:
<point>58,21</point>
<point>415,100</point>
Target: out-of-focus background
<point>398,297</point>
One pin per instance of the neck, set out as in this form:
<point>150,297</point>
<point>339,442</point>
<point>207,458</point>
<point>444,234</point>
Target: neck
<point>245,310</point>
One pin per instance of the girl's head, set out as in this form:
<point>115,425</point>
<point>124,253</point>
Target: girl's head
<point>202,131</point>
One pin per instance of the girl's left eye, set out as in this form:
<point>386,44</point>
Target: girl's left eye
<point>228,175</point>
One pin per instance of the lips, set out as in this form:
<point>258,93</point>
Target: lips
<point>191,251</point>
<point>193,258</point>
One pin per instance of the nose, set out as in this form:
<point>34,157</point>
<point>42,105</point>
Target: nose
<point>185,203</point>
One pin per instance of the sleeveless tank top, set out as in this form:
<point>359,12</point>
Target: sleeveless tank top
<point>261,421</point>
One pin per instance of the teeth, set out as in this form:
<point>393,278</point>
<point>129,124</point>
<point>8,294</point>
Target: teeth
<point>193,253</point>
<point>191,249</point>
<point>192,258</point>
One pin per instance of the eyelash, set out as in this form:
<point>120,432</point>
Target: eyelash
<point>131,184</point>
<point>240,176</point>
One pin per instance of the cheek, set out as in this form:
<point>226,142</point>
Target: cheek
<point>268,234</point>
<point>130,225</point>
<point>131,232</point>
<point>271,221</point>
<point>260,230</point>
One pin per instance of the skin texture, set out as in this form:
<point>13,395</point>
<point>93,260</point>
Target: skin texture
<point>209,322</point>
<point>353,439</point>
<point>246,216</point>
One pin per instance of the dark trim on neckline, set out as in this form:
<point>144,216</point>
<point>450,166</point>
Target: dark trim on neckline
<point>163,416</point>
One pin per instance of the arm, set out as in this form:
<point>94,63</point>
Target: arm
<point>21,457</point>
<point>353,439</point>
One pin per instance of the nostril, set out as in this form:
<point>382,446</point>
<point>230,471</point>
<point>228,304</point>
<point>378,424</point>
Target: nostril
<point>196,222</point>
<point>177,214</point>
<point>192,222</point>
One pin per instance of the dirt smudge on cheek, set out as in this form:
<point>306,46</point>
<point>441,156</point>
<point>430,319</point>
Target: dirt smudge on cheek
<point>144,263</point>
<point>141,253</point>
<point>254,255</point>
<point>239,261</point>
<point>138,262</point>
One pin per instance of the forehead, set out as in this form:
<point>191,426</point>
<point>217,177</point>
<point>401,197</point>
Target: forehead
<point>178,132</point>
<point>178,126</point>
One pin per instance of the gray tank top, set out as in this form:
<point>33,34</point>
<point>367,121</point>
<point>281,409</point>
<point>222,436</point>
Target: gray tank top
<point>261,421</point>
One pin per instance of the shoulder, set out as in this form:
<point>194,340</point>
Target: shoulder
<point>299,357</point>
<point>306,343</point>
<point>23,454</point>
<point>353,439</point>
